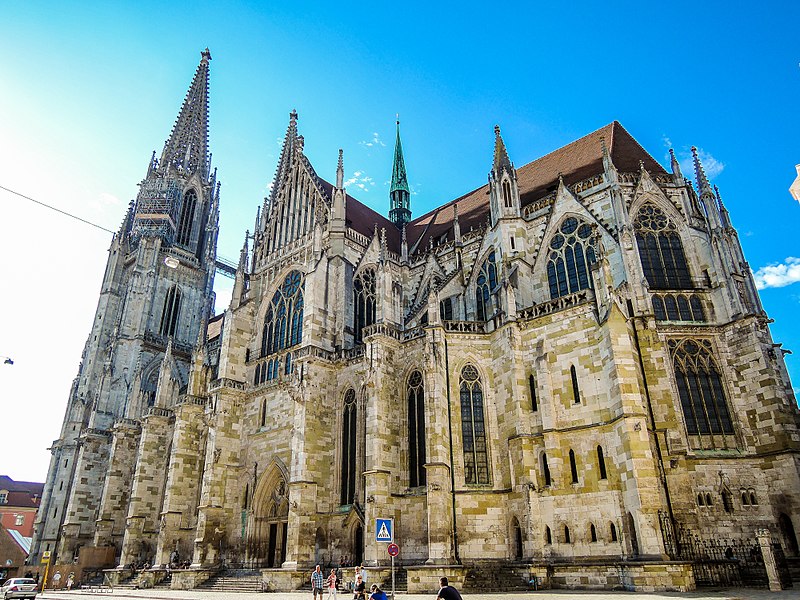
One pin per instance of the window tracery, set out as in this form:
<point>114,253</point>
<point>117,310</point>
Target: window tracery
<point>186,219</point>
<point>364,299</point>
<point>700,388</point>
<point>283,323</point>
<point>348,467</point>
<point>473,430</point>
<point>661,250</point>
<point>170,312</point>
<point>571,253</point>
<point>416,430</point>
<point>485,284</point>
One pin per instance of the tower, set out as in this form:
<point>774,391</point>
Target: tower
<point>399,194</point>
<point>156,294</point>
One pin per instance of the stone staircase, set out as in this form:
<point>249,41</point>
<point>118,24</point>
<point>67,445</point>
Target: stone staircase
<point>165,583</point>
<point>497,577</point>
<point>400,582</point>
<point>234,580</point>
<point>793,562</point>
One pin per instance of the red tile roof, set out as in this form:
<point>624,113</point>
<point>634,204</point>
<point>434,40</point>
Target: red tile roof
<point>575,162</point>
<point>21,493</point>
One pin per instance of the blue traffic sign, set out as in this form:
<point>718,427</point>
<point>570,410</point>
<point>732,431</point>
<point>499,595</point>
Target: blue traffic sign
<point>384,530</point>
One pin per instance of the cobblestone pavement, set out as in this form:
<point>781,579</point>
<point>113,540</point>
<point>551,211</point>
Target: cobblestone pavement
<point>728,594</point>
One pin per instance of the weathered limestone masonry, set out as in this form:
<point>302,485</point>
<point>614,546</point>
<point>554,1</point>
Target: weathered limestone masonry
<point>548,376</point>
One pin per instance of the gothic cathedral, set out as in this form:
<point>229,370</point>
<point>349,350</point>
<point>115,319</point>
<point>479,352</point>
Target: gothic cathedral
<point>557,372</point>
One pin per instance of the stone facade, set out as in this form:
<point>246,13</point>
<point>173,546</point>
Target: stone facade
<point>538,374</point>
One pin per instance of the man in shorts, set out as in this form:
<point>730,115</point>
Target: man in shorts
<point>447,592</point>
<point>317,582</point>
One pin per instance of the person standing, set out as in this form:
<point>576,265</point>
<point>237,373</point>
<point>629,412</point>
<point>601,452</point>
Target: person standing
<point>446,591</point>
<point>317,582</point>
<point>70,581</point>
<point>332,584</point>
<point>57,580</point>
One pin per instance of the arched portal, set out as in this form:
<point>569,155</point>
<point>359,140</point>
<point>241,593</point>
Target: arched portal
<point>267,527</point>
<point>631,527</point>
<point>358,544</point>
<point>789,536</point>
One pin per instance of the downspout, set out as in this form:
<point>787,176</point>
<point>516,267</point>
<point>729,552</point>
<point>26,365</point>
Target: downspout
<point>452,472</point>
<point>662,473</point>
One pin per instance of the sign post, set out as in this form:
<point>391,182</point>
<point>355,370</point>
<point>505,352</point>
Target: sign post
<point>393,550</point>
<point>46,562</point>
<point>384,532</point>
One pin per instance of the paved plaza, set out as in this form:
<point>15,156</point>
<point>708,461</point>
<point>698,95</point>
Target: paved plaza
<point>728,594</point>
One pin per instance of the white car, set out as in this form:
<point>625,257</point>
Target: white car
<point>19,587</point>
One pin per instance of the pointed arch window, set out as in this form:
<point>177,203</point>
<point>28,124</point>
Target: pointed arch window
<point>507,193</point>
<point>702,395</point>
<point>484,286</point>
<point>283,322</point>
<point>601,463</point>
<point>170,312</point>
<point>364,298</point>
<point>473,430</point>
<point>661,250</point>
<point>573,466</point>
<point>416,430</point>
<point>186,218</point>
<point>571,254</point>
<point>348,479</point>
<point>546,471</point>
<point>532,387</point>
<point>576,392</point>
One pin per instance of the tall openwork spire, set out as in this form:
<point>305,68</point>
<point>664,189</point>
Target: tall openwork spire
<point>702,181</point>
<point>399,194</point>
<point>501,160</point>
<point>187,146</point>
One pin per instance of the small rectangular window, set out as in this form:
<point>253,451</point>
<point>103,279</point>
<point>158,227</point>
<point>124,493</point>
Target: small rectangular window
<point>513,246</point>
<point>532,385</point>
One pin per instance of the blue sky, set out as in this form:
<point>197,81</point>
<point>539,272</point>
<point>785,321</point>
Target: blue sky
<point>89,90</point>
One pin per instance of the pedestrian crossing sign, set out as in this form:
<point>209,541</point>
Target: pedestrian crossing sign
<point>384,530</point>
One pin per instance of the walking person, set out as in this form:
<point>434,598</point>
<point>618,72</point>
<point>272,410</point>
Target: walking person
<point>446,591</point>
<point>70,581</point>
<point>317,583</point>
<point>57,580</point>
<point>332,579</point>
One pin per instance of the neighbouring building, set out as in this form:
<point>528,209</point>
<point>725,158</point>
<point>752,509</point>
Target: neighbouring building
<point>19,503</point>
<point>562,372</point>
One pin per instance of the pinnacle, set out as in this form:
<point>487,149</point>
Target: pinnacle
<point>501,160</point>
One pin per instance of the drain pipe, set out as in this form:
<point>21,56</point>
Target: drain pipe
<point>450,429</point>
<point>663,473</point>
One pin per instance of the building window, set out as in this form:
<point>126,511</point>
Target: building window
<point>416,430</point>
<point>567,539</point>
<point>446,309</point>
<point>745,499</point>
<point>283,323</point>
<point>186,218</point>
<point>169,314</point>
<point>548,537</point>
<point>507,194</point>
<point>700,501</point>
<point>20,519</point>
<point>753,500</point>
<point>592,533</point>
<point>601,463</point>
<point>702,396</point>
<point>546,470</point>
<point>678,307</point>
<point>573,466</point>
<point>661,250</point>
<point>364,294</point>
<point>3,497</point>
<point>613,530</point>
<point>263,420</point>
<point>484,286</point>
<point>571,254</point>
<point>708,500</point>
<point>576,393</point>
<point>532,387</point>
<point>473,430</point>
<point>348,490</point>
<point>727,501</point>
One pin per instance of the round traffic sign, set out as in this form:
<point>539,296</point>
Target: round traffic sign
<point>393,549</point>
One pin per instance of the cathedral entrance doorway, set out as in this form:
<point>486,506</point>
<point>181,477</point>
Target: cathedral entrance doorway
<point>267,529</point>
<point>358,544</point>
<point>787,529</point>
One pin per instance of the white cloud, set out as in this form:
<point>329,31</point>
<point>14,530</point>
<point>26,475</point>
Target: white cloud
<point>360,180</point>
<point>711,165</point>
<point>375,141</point>
<point>778,274</point>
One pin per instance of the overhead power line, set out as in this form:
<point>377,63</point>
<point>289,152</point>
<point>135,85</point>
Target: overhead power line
<point>58,210</point>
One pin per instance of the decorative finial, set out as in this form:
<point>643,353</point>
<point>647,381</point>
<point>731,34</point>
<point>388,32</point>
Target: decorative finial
<point>293,115</point>
<point>702,180</point>
<point>676,167</point>
<point>206,54</point>
<point>501,159</point>
<point>340,171</point>
<point>397,118</point>
<point>641,165</point>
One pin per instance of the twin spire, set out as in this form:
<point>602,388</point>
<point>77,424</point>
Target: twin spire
<point>399,194</point>
<point>187,146</point>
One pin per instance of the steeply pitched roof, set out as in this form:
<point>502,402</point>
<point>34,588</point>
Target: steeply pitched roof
<point>23,494</point>
<point>575,162</point>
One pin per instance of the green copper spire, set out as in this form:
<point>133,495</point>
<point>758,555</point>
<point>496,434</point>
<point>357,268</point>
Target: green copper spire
<point>399,194</point>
